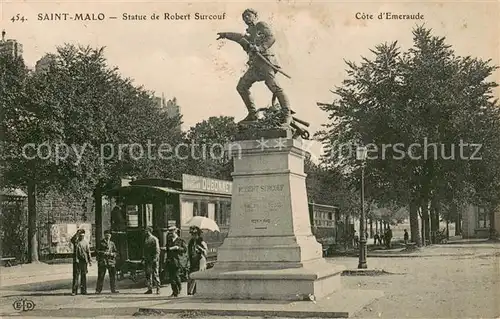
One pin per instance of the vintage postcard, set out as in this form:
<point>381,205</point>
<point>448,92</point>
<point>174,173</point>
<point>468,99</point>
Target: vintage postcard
<point>293,159</point>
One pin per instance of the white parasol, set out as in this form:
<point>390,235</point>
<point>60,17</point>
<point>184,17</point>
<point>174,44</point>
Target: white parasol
<point>203,223</point>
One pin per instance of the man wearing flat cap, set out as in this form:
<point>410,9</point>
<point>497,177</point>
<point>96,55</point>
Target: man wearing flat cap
<point>106,261</point>
<point>81,262</point>
<point>151,259</point>
<point>176,247</point>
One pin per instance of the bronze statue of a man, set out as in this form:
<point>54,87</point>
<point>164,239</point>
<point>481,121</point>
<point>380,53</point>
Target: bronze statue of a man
<point>262,65</point>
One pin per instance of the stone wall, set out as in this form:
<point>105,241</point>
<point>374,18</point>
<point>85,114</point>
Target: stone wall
<point>57,208</point>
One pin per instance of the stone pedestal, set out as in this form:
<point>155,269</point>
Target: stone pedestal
<point>270,252</point>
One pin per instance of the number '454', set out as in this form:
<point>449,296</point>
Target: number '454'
<point>18,17</point>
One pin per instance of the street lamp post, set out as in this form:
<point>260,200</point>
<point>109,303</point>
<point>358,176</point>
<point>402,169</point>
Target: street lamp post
<point>361,155</point>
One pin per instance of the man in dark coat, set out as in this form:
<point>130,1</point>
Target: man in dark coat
<point>151,259</point>
<point>176,247</point>
<point>406,237</point>
<point>106,261</point>
<point>388,237</point>
<point>81,262</point>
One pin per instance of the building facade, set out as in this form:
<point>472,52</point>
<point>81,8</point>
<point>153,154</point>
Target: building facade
<point>10,47</point>
<point>170,107</point>
<point>477,222</point>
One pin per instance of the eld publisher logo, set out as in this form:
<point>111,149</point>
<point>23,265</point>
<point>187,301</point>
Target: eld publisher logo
<point>23,305</point>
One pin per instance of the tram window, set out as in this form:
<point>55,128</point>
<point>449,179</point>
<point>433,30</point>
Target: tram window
<point>217,213</point>
<point>204,209</point>
<point>133,216</point>
<point>211,211</point>
<point>187,212</point>
<point>225,215</point>
<point>149,215</point>
<point>170,212</point>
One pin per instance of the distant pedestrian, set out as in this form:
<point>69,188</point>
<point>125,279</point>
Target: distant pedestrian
<point>176,247</point>
<point>406,237</point>
<point>81,262</point>
<point>376,238</point>
<point>197,252</point>
<point>106,261</point>
<point>388,237</point>
<point>151,258</point>
<point>356,239</point>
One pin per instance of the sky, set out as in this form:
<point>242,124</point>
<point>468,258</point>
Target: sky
<point>183,58</point>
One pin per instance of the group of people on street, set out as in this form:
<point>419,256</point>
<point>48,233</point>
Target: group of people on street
<point>384,239</point>
<point>107,252</point>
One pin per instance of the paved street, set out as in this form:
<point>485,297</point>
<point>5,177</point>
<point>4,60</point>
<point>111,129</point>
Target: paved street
<point>453,281</point>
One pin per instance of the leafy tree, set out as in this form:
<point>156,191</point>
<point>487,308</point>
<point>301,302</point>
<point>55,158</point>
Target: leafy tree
<point>207,140</point>
<point>99,121</point>
<point>427,94</point>
<point>17,116</point>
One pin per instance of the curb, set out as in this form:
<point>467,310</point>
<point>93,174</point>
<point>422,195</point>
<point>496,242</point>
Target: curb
<point>366,272</point>
<point>343,303</point>
<point>236,313</point>
<point>418,255</point>
<point>405,256</point>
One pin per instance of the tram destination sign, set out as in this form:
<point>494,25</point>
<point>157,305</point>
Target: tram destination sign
<point>204,184</point>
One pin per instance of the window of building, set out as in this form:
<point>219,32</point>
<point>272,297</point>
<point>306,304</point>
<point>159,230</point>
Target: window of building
<point>483,218</point>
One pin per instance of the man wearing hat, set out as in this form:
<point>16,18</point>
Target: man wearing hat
<point>176,247</point>
<point>81,262</point>
<point>106,261</point>
<point>151,258</point>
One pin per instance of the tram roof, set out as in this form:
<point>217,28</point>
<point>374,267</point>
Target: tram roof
<point>324,205</point>
<point>158,182</point>
<point>137,189</point>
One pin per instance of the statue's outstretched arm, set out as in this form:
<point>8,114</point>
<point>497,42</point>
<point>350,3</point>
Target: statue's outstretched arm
<point>236,37</point>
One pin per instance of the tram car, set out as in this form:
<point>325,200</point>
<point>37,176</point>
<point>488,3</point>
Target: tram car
<point>161,203</point>
<point>324,225</point>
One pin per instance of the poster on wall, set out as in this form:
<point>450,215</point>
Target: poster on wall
<point>60,237</point>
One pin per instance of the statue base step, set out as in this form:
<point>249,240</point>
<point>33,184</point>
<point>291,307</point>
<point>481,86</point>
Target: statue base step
<point>314,278</point>
<point>268,252</point>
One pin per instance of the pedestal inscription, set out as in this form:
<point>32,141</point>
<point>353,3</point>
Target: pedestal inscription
<point>270,252</point>
<point>259,206</point>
